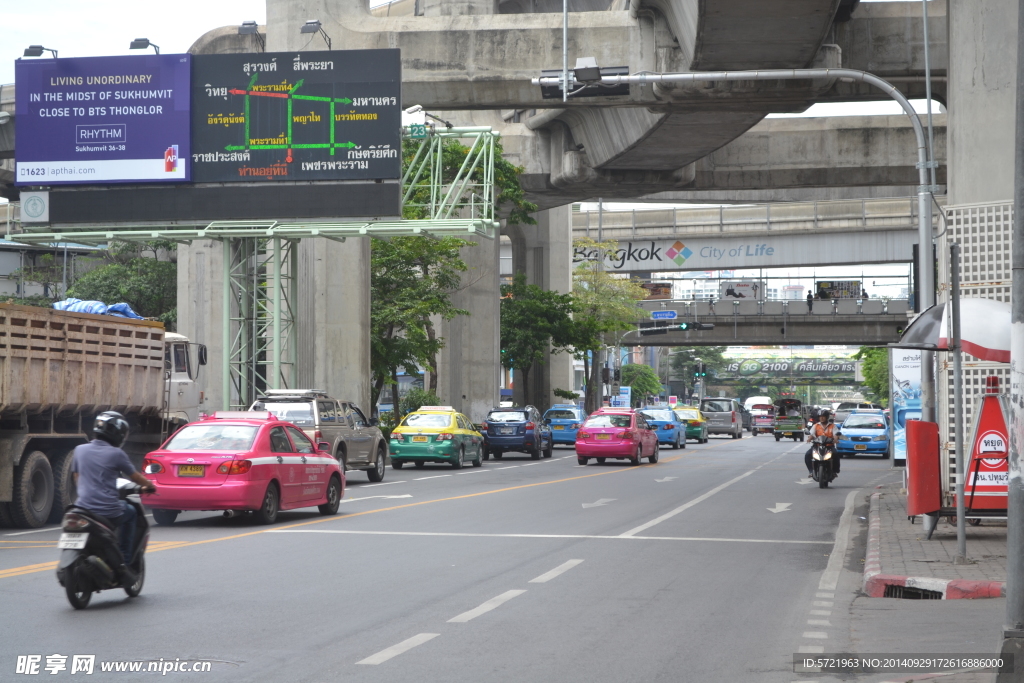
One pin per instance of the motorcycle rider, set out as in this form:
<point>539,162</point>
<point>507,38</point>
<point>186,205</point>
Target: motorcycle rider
<point>96,466</point>
<point>824,428</point>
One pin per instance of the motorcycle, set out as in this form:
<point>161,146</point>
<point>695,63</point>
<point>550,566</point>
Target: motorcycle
<point>822,458</point>
<point>90,550</point>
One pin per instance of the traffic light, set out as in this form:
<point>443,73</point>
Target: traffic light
<point>606,376</point>
<point>696,326</point>
<point>618,375</point>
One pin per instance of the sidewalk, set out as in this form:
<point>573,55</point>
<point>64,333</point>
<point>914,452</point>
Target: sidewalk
<point>900,557</point>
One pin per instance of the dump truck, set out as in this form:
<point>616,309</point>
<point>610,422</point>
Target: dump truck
<point>58,370</point>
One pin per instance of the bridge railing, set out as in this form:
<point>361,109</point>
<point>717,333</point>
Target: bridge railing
<point>844,215</point>
<point>689,310</point>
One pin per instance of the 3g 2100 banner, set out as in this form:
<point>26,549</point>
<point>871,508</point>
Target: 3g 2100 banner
<point>102,120</point>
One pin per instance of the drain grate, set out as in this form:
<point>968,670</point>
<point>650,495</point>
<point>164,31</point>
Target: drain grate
<point>911,593</point>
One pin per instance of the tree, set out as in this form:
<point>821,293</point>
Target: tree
<point>532,321</point>
<point>875,368</point>
<point>411,279</point>
<point>643,381</point>
<point>147,284</point>
<point>605,304</point>
<point>684,360</point>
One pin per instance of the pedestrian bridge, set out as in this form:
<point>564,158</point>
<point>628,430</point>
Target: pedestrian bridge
<point>756,236</point>
<point>841,321</point>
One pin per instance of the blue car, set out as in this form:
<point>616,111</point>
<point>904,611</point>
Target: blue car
<point>565,420</point>
<point>666,423</point>
<point>517,429</point>
<point>864,432</point>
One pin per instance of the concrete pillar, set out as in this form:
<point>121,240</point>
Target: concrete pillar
<point>200,313</point>
<point>469,363</point>
<point>543,252</point>
<point>982,100</point>
<point>333,318</point>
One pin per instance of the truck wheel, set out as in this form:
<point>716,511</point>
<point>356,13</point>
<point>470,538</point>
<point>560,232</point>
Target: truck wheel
<point>63,486</point>
<point>33,491</point>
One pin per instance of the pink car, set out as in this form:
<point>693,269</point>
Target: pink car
<point>241,461</point>
<point>618,433</point>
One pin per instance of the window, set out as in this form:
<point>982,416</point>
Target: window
<point>357,416</point>
<point>507,416</point>
<point>301,441</point>
<point>279,441</point>
<point>218,437</point>
<point>344,415</point>
<point>864,422</point>
<point>665,415</point>
<point>687,415</point>
<point>176,358</point>
<point>721,406</point>
<point>328,413</point>
<point>608,421</point>
<point>300,414</point>
<point>561,414</point>
<point>427,420</point>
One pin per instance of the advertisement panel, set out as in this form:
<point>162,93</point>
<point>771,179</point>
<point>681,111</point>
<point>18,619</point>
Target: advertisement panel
<point>905,400</point>
<point>291,116</point>
<point>838,289</point>
<point>96,120</point>
<point>741,290</point>
<point>788,371</point>
<point>657,290</point>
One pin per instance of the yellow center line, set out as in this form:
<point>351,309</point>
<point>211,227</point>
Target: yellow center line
<point>172,545</point>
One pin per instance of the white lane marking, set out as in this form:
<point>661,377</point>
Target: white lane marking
<point>816,635</point>
<point>822,603</point>
<point>804,481</point>
<point>560,569</point>
<point>436,476</point>
<point>472,472</point>
<point>486,607</point>
<point>819,622</point>
<point>352,500</point>
<point>780,507</point>
<point>535,463</point>
<point>506,468</point>
<point>610,538</point>
<point>830,577</point>
<point>34,531</point>
<point>828,595</point>
<point>387,483</point>
<point>599,503</point>
<point>666,479</point>
<point>686,506</point>
<point>811,649</point>
<point>821,612</point>
<point>395,650</point>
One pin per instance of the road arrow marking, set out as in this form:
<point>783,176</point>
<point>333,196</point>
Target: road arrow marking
<point>603,501</point>
<point>780,507</point>
<point>666,479</point>
<point>804,481</point>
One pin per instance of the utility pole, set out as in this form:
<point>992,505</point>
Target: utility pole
<point>1013,631</point>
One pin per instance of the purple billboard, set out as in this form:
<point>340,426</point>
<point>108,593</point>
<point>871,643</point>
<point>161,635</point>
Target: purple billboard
<point>96,120</point>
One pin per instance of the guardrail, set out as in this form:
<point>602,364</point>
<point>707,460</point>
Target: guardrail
<point>691,310</point>
<point>823,216</point>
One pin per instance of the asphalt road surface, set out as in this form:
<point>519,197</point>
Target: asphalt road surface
<point>703,567</point>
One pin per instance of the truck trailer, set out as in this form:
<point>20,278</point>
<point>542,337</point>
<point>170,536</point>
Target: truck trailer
<point>58,370</point>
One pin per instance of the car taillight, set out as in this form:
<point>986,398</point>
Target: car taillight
<point>574,425</point>
<point>484,424</point>
<point>74,522</point>
<point>445,437</point>
<point>396,436</point>
<point>695,423</point>
<point>151,466</point>
<point>627,434</point>
<point>530,426</point>
<point>584,435</point>
<point>668,426</point>
<point>734,416</point>
<point>235,467</point>
<point>317,436</point>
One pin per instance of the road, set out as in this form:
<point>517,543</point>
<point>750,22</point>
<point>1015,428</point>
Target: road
<point>706,567</point>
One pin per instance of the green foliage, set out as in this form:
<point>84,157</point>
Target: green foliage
<point>566,394</point>
<point>643,380</point>
<point>875,368</point>
<point>34,300</point>
<point>685,357</point>
<point>411,279</point>
<point>416,399</point>
<point>149,286</point>
<point>532,321</point>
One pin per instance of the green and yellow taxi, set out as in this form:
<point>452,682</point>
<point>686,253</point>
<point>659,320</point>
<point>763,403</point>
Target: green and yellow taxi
<point>436,434</point>
<point>696,423</point>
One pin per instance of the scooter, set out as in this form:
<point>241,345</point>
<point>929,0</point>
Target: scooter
<point>822,459</point>
<point>90,550</point>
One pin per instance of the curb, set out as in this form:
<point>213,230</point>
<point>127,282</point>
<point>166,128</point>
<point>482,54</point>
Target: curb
<point>876,582</point>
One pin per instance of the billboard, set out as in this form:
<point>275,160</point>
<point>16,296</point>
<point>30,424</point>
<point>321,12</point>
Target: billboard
<point>657,290</point>
<point>740,290</point>
<point>905,402</point>
<point>98,120</point>
<point>838,289</point>
<point>786,371</point>
<point>297,116</point>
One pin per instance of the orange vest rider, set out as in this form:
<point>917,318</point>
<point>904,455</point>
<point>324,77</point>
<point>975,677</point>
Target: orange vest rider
<point>827,431</point>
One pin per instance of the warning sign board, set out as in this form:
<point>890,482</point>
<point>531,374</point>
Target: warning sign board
<point>987,468</point>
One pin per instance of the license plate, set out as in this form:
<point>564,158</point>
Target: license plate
<point>602,437</point>
<point>559,426</point>
<point>419,439</point>
<point>72,541</point>
<point>787,433</point>
<point>507,430</point>
<point>859,447</point>
<point>191,470</point>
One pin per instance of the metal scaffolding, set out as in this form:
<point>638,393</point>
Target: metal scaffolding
<point>447,189</point>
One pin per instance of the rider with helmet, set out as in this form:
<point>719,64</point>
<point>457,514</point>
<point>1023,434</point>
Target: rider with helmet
<point>824,429</point>
<point>96,466</point>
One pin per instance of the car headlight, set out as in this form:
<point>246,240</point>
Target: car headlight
<point>881,437</point>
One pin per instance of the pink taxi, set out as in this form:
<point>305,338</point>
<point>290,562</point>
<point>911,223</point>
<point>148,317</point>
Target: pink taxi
<point>619,433</point>
<point>241,461</point>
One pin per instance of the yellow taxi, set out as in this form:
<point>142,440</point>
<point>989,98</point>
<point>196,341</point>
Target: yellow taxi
<point>436,434</point>
<point>696,423</point>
